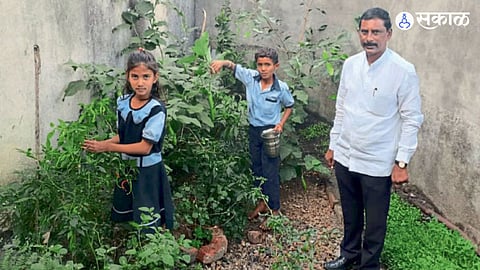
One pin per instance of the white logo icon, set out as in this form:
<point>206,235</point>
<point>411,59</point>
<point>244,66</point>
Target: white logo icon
<point>404,21</point>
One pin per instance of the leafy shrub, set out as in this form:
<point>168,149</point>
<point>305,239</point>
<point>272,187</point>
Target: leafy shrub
<point>37,257</point>
<point>65,202</point>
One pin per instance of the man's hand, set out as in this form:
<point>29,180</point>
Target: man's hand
<point>399,175</point>
<point>329,158</point>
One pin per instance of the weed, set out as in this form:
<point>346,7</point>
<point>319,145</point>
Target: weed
<point>291,248</point>
<point>318,130</point>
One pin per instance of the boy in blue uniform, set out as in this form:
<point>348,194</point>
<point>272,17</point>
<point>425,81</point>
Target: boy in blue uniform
<point>266,95</point>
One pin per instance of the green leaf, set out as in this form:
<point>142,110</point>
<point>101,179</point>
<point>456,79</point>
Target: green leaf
<point>186,258</point>
<point>131,252</point>
<point>309,82</point>
<point>144,8</point>
<point>192,109</point>
<point>200,47</point>
<point>74,87</point>
<point>325,55</point>
<point>301,96</point>
<point>311,162</point>
<point>188,120</point>
<point>329,68</point>
<point>287,173</point>
<point>168,260</point>
<point>129,17</point>
<point>121,27</point>
<point>206,119</point>
<point>187,59</point>
<point>135,40</point>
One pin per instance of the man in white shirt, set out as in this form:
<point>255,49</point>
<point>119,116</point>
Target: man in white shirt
<point>378,115</point>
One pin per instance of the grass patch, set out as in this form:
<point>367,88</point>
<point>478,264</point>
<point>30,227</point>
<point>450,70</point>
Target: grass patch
<point>415,243</point>
<point>314,131</point>
<point>316,138</point>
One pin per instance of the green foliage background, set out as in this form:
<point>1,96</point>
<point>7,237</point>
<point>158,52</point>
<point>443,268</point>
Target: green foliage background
<point>60,210</point>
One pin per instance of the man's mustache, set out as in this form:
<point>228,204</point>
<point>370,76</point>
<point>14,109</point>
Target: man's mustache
<point>369,44</point>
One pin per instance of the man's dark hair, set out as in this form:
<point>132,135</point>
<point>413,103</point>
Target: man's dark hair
<point>267,52</point>
<point>376,13</point>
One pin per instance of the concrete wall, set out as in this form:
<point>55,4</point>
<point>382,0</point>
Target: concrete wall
<point>446,165</point>
<point>61,30</point>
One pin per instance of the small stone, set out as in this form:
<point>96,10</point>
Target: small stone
<point>216,249</point>
<point>255,237</point>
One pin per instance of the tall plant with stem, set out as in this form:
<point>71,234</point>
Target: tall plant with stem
<point>308,59</point>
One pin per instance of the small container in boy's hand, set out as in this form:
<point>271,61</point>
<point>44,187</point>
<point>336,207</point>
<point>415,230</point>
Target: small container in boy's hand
<point>271,140</point>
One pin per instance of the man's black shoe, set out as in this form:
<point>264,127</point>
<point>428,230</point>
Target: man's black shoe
<point>342,263</point>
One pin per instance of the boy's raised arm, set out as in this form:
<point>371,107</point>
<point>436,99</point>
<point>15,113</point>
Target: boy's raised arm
<point>217,65</point>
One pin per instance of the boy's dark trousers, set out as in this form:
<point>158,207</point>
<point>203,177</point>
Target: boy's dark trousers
<point>264,166</point>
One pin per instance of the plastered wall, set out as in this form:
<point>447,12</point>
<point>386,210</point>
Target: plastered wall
<point>37,39</point>
<point>446,166</point>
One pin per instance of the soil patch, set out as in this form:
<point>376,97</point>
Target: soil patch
<point>306,208</point>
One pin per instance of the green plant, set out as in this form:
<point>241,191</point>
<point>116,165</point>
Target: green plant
<point>227,47</point>
<point>415,243</point>
<point>309,59</point>
<point>201,236</point>
<point>101,81</point>
<point>154,247</point>
<point>203,122</point>
<point>313,164</point>
<point>219,192</point>
<point>37,257</point>
<point>65,202</point>
<point>148,32</point>
<point>317,130</point>
<point>317,134</point>
<point>291,248</point>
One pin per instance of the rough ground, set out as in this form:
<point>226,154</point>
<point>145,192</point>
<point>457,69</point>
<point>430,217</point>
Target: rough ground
<point>307,209</point>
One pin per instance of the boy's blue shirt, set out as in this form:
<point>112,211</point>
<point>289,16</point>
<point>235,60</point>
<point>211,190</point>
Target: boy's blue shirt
<point>264,107</point>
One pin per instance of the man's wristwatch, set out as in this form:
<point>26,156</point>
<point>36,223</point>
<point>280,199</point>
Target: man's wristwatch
<point>401,164</point>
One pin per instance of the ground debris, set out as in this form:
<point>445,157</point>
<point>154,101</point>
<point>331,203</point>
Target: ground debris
<point>307,209</point>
